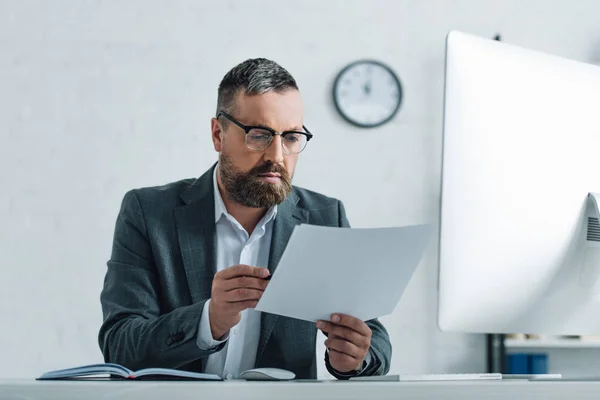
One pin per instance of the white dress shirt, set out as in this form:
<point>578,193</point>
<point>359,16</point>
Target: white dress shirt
<point>235,246</point>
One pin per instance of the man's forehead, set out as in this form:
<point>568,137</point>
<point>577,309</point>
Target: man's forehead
<point>281,109</point>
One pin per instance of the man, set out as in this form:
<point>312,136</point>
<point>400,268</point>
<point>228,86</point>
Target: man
<point>190,258</point>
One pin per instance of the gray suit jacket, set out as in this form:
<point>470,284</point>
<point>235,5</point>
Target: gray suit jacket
<point>160,275</point>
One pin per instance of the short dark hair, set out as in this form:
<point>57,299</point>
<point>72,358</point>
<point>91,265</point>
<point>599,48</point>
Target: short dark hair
<point>253,76</point>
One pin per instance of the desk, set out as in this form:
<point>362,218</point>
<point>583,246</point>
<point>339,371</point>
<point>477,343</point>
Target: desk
<point>504,390</point>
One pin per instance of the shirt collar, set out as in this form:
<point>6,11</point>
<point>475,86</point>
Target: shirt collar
<point>221,210</point>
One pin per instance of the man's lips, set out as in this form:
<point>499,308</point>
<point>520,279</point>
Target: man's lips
<point>270,177</point>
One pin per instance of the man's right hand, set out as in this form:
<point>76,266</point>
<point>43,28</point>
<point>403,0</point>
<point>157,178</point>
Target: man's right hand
<point>234,289</point>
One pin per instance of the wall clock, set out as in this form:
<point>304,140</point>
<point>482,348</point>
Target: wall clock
<point>367,93</point>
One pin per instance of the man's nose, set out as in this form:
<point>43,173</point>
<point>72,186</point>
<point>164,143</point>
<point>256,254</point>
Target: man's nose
<point>274,153</point>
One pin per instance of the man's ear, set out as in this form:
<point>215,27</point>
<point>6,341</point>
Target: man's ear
<point>217,134</point>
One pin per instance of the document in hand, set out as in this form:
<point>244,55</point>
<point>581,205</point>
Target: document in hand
<point>357,271</point>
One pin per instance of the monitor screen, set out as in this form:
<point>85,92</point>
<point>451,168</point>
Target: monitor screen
<point>521,151</point>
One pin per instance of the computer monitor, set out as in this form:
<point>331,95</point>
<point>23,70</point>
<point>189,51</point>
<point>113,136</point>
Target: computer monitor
<point>519,233</point>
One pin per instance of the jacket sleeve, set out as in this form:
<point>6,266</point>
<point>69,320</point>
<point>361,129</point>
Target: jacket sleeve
<point>134,333</point>
<point>381,348</point>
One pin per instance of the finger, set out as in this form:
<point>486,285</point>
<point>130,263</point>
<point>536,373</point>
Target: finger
<point>342,362</point>
<point>343,332</point>
<point>364,345</point>
<point>243,270</point>
<point>352,323</point>
<point>242,305</point>
<point>238,295</point>
<point>343,346</point>
<point>244,282</point>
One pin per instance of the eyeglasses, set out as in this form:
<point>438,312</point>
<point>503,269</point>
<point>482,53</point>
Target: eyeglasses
<point>259,138</point>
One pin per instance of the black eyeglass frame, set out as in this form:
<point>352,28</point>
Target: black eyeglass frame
<point>248,128</point>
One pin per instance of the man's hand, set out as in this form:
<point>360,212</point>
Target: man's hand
<point>348,341</point>
<point>233,290</point>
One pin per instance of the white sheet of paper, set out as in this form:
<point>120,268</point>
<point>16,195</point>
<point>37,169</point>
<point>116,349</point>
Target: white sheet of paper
<point>356,271</point>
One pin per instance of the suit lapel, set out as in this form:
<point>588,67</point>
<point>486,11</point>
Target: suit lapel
<point>288,216</point>
<point>195,223</point>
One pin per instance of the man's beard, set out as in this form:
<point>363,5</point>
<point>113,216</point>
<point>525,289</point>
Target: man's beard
<point>248,189</point>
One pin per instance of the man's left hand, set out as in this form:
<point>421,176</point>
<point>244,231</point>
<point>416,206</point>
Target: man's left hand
<point>348,341</point>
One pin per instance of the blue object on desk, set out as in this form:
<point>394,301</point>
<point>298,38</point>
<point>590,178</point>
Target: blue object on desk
<point>525,363</point>
<point>538,363</point>
<point>517,363</point>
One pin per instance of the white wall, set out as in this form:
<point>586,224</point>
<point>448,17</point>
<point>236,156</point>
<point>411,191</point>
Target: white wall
<point>97,97</point>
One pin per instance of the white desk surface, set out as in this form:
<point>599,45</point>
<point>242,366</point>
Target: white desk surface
<point>466,390</point>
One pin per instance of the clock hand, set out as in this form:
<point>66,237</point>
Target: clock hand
<point>367,88</point>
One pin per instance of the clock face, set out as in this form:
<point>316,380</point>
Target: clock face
<point>367,93</point>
